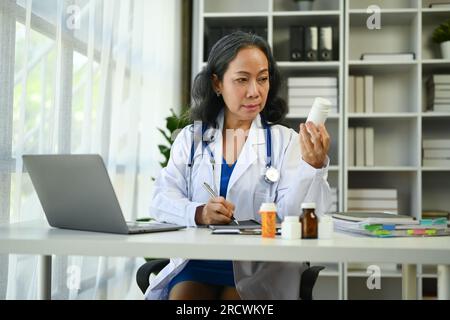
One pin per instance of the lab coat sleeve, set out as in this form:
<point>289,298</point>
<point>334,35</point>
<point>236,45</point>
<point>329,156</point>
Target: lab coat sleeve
<point>170,201</point>
<point>300,182</point>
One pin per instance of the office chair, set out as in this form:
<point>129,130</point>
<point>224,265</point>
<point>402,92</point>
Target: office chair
<point>308,280</point>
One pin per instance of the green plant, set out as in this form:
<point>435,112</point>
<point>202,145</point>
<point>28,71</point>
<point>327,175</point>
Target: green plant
<point>442,33</point>
<point>174,123</point>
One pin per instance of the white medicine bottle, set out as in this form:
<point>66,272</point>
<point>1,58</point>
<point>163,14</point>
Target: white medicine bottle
<point>290,228</point>
<point>325,227</point>
<point>319,111</point>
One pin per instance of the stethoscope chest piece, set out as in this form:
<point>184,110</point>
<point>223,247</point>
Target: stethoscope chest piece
<point>272,175</point>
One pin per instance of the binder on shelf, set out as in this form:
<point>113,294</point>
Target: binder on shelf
<point>368,93</point>
<point>326,43</point>
<point>369,145</point>
<point>296,41</point>
<point>359,94</point>
<point>359,146</point>
<point>311,43</point>
<point>351,94</point>
<point>351,146</point>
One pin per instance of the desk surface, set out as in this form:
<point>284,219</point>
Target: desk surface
<point>36,237</point>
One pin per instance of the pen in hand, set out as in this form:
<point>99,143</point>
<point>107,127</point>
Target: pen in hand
<point>213,195</point>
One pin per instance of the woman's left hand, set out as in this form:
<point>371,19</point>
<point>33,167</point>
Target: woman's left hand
<point>314,144</point>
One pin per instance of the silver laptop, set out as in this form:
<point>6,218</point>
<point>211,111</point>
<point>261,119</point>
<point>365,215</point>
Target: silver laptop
<point>76,193</point>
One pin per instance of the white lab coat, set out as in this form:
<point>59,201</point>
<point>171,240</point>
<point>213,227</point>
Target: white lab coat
<point>299,182</point>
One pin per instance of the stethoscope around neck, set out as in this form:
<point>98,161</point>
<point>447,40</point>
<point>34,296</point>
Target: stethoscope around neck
<point>271,175</point>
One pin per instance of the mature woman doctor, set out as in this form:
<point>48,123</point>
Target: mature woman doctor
<point>240,151</point>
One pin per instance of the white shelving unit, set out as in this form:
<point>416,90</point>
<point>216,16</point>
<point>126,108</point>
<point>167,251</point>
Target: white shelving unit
<point>399,118</point>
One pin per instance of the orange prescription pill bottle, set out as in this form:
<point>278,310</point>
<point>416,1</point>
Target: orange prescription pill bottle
<point>268,213</point>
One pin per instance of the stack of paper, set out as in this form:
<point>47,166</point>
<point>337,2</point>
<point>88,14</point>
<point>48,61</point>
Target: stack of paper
<point>303,90</point>
<point>372,200</point>
<point>438,93</point>
<point>436,152</point>
<point>386,225</point>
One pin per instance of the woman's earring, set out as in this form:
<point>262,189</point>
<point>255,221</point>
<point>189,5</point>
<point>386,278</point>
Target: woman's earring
<point>218,93</point>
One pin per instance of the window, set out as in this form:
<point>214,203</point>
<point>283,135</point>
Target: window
<point>84,76</point>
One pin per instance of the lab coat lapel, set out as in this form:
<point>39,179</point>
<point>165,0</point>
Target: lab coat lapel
<point>249,151</point>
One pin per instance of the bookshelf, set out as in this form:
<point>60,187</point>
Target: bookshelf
<point>399,116</point>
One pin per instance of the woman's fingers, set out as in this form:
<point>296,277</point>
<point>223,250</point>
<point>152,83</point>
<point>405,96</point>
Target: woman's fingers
<point>218,213</point>
<point>305,139</point>
<point>227,204</point>
<point>325,137</point>
<point>315,137</point>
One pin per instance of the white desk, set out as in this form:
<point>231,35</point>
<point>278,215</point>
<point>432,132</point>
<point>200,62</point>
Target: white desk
<point>38,238</point>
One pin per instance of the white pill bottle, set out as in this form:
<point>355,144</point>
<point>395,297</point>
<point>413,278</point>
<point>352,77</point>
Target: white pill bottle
<point>319,111</point>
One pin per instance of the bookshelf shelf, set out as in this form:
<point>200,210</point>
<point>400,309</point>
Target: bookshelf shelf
<point>385,11</point>
<point>399,118</point>
<point>363,274</point>
<point>380,115</point>
<point>383,4</point>
<point>384,168</point>
<point>309,14</point>
<point>234,15</point>
<point>389,63</point>
<point>437,169</point>
<point>435,114</point>
<point>434,10</point>
<point>309,65</point>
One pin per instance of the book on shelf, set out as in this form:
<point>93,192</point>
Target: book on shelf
<point>351,94</point>
<point>359,146</point>
<point>372,193</point>
<point>359,94</point>
<point>404,56</point>
<point>436,162</point>
<point>351,146</point>
<point>368,94</point>
<point>312,92</point>
<point>369,140</point>
<point>312,82</point>
<point>440,86</point>
<point>441,108</point>
<point>436,153</point>
<point>440,5</point>
<point>436,214</point>
<point>436,143</point>
<point>385,204</point>
<point>439,79</point>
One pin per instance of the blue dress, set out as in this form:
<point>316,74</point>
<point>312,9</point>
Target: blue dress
<point>210,271</point>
